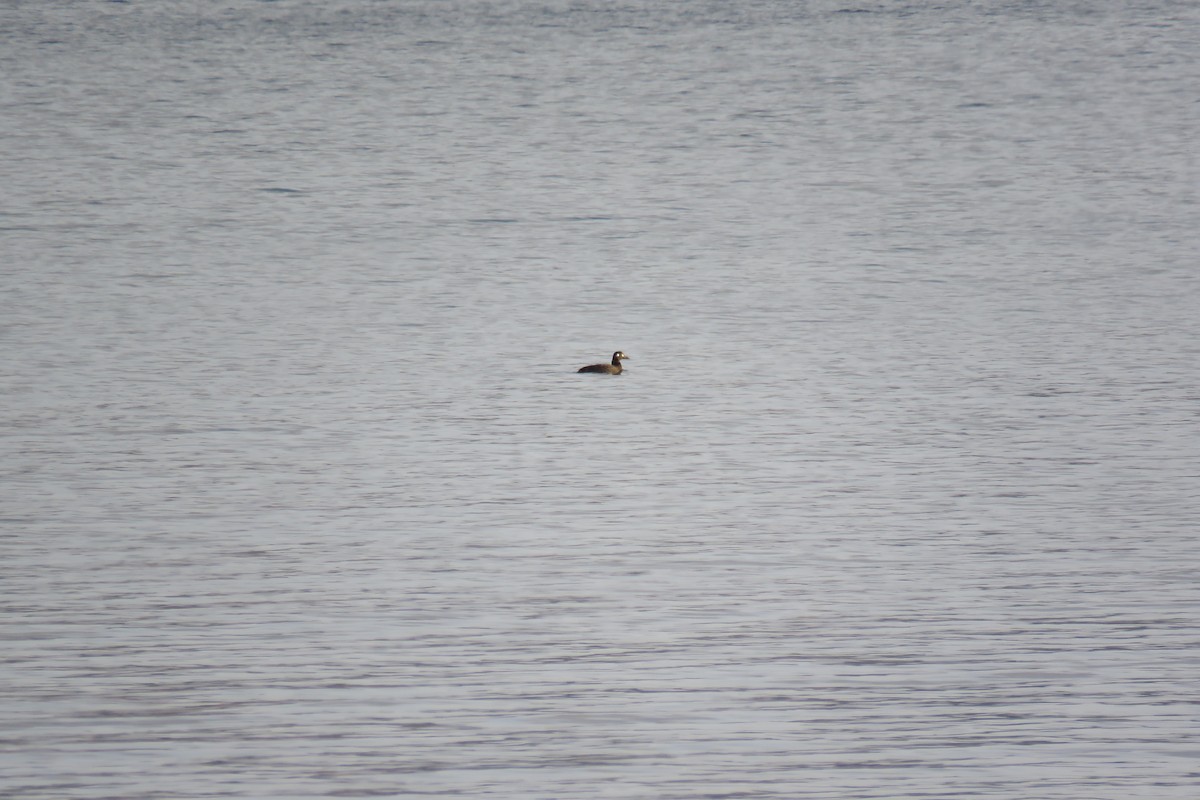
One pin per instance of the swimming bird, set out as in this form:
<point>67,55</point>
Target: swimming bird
<point>608,369</point>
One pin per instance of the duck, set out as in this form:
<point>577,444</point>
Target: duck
<point>608,369</point>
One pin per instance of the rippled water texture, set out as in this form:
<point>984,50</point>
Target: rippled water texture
<point>303,497</point>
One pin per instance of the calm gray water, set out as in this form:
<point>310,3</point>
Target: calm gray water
<point>898,496</point>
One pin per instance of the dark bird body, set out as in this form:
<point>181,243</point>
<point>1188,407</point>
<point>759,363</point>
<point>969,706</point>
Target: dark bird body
<point>608,369</point>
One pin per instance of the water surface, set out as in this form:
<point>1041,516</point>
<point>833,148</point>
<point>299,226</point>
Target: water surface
<point>303,497</point>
